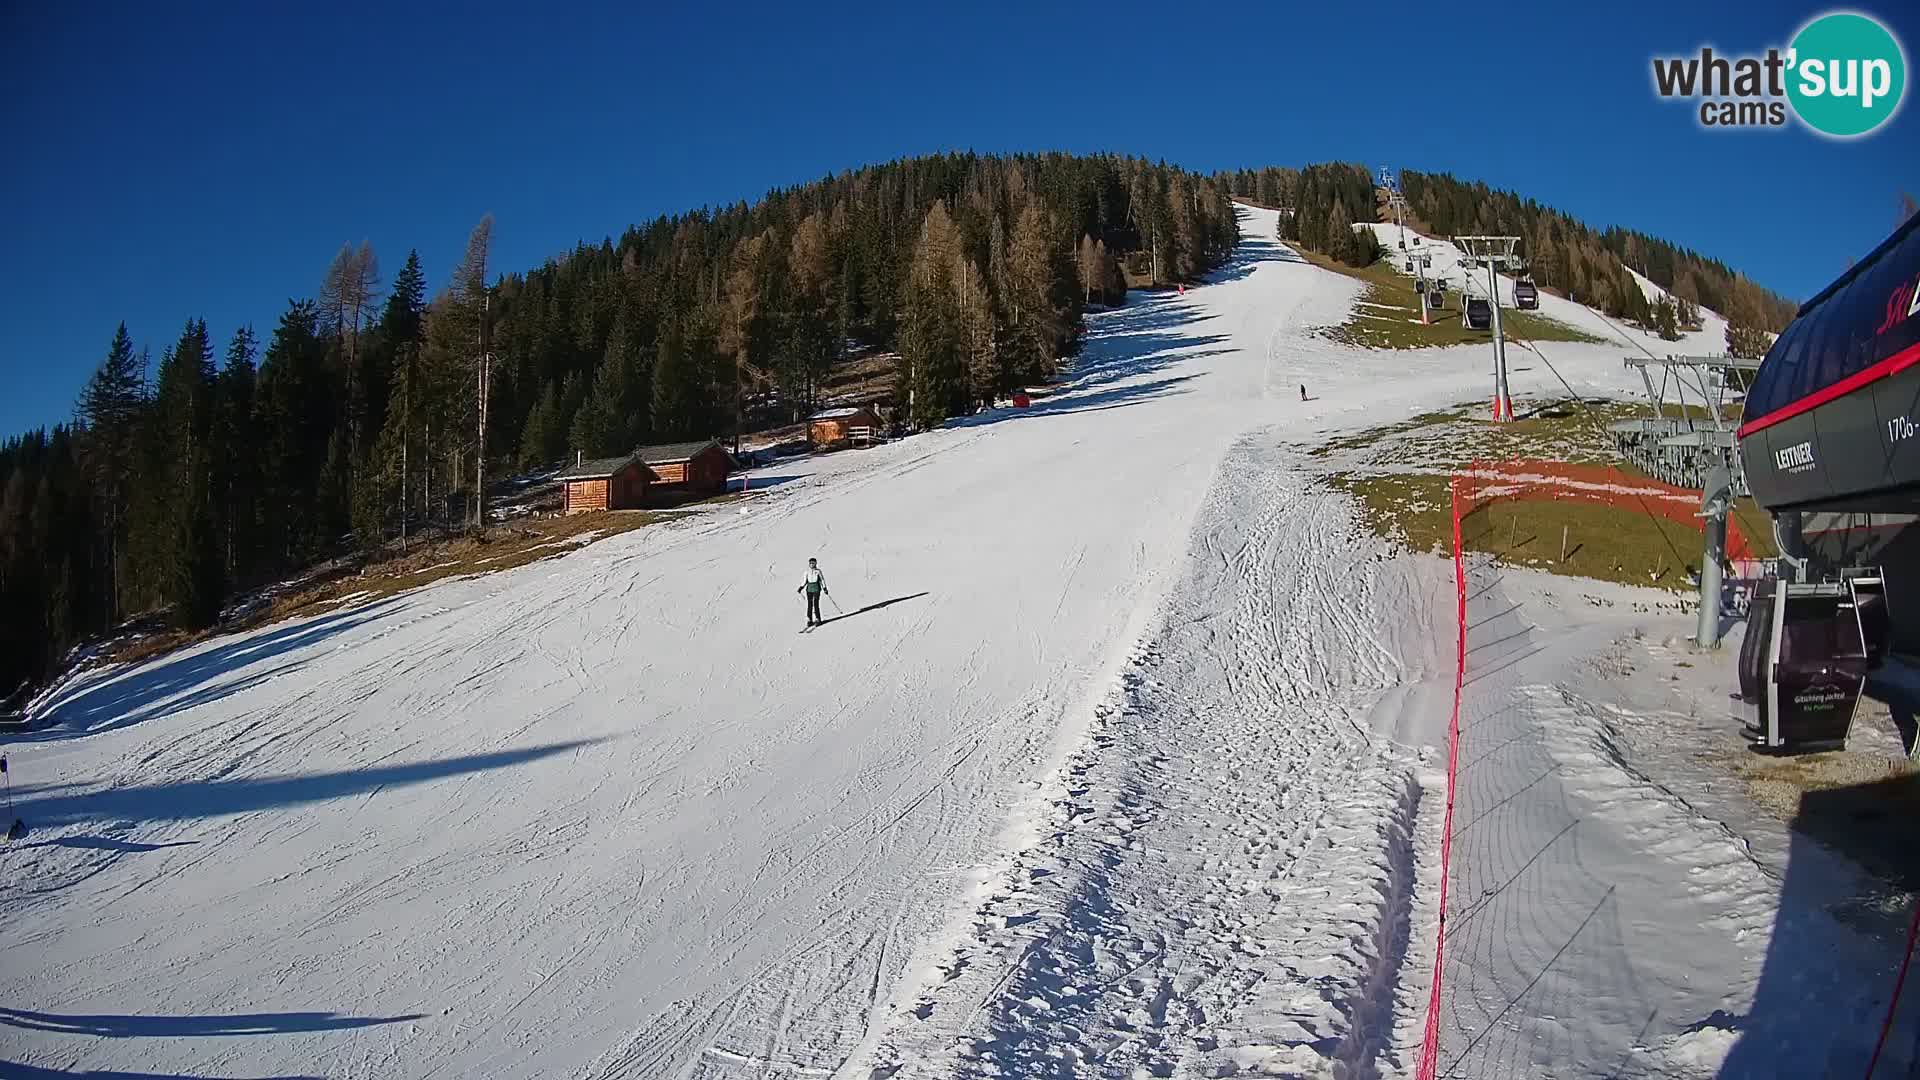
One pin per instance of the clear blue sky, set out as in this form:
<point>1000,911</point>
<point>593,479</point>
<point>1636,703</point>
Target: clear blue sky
<point>171,161</point>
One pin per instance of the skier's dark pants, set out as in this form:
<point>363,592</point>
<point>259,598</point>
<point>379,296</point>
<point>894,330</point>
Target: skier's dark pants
<point>813,607</point>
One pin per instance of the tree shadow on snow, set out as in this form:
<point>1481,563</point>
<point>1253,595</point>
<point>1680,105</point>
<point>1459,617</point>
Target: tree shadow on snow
<point>106,843</point>
<point>1252,252</point>
<point>1113,398</point>
<point>1133,343</point>
<point>21,1071</point>
<point>59,804</point>
<point>751,484</point>
<point>191,677</point>
<point>181,1027</point>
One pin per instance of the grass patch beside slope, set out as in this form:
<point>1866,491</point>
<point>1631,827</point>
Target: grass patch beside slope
<point>1402,475</point>
<point>1608,543</point>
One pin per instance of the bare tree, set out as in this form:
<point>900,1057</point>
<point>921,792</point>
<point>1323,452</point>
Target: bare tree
<point>346,297</point>
<point>470,304</point>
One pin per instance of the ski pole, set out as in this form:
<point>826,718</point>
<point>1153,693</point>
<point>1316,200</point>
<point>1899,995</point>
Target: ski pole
<point>835,603</point>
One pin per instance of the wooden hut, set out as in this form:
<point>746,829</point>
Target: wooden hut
<point>832,427</point>
<point>615,483</point>
<point>649,476</point>
<point>683,470</point>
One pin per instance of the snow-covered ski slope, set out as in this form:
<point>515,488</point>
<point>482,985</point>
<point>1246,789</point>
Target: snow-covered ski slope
<point>612,816</point>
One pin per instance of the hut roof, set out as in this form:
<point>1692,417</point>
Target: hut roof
<point>668,453</point>
<point>664,454</point>
<point>595,468</point>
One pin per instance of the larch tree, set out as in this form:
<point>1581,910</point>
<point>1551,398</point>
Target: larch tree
<point>1087,264</point>
<point>346,302</point>
<point>974,307</point>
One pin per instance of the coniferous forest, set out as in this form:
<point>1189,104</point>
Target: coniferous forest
<point>382,403</point>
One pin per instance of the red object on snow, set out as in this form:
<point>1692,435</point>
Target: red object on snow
<point>1021,400</point>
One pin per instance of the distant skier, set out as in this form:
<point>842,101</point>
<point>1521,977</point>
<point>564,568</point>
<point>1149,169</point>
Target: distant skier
<point>1303,391</point>
<point>814,584</point>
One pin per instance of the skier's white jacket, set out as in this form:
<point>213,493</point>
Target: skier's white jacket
<point>816,581</point>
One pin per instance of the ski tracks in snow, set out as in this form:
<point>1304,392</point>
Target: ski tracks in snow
<point>1224,879</point>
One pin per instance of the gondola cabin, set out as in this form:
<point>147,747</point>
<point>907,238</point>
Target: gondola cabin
<point>1526,296</point>
<point>1476,313</point>
<point>1829,449</point>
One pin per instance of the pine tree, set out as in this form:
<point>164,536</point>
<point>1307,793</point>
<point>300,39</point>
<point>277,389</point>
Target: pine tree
<point>676,388</point>
<point>400,319</point>
<point>1665,320</point>
<point>110,408</point>
<point>1185,240</point>
<point>1112,282</point>
<point>189,555</point>
<point>606,422</point>
<point>543,439</point>
<point>295,427</point>
<point>237,464</point>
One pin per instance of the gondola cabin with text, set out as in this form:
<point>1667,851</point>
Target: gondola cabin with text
<point>1829,450</point>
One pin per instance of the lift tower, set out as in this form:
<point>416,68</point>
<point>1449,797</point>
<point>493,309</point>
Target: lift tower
<point>1495,252</point>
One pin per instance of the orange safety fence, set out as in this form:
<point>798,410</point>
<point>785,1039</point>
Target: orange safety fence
<point>1488,483</point>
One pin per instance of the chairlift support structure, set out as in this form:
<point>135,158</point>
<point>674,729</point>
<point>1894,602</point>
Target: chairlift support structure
<point>1688,453</point>
<point>1494,252</point>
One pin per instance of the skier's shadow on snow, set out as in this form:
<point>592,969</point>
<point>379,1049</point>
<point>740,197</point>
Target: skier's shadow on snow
<point>873,607</point>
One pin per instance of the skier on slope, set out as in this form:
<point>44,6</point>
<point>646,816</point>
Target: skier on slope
<point>814,584</point>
